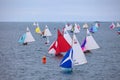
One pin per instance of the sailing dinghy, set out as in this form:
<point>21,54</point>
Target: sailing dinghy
<point>68,26</point>
<point>93,29</point>
<point>26,37</point>
<point>118,31</point>
<point>118,24</point>
<point>73,57</point>
<point>112,26</point>
<point>59,45</point>
<point>75,28</point>
<point>85,26</point>
<point>34,24</point>
<point>89,43</point>
<point>46,34</point>
<point>37,29</point>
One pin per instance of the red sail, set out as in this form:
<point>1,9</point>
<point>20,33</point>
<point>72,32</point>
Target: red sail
<point>60,45</point>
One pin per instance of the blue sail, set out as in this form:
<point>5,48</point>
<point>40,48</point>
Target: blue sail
<point>21,40</point>
<point>93,29</point>
<point>119,30</point>
<point>66,62</point>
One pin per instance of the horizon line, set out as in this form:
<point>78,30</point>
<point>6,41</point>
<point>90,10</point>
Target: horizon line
<point>67,21</point>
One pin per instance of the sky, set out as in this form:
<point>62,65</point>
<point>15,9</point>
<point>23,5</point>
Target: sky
<point>59,10</point>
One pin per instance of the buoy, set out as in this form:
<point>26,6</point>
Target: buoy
<point>44,60</point>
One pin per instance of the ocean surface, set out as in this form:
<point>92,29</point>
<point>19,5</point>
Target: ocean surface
<point>18,62</point>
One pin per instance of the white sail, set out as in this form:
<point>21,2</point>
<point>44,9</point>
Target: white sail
<point>47,31</point>
<point>118,24</point>
<point>37,24</point>
<point>34,24</point>
<point>85,25</point>
<point>67,36</point>
<point>76,28</point>
<point>68,27</point>
<point>52,50</point>
<point>88,32</point>
<point>112,26</point>
<point>29,37</point>
<point>90,42</point>
<point>96,24</point>
<point>78,55</point>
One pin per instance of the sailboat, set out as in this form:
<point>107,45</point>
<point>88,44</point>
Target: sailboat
<point>89,43</point>
<point>118,24</point>
<point>118,31</point>
<point>76,28</point>
<point>34,24</point>
<point>67,36</point>
<point>59,45</point>
<point>73,57</point>
<point>37,29</point>
<point>93,29</point>
<point>97,24</point>
<point>68,26</point>
<point>26,37</point>
<point>112,26</point>
<point>85,26</point>
<point>47,34</point>
<point>47,31</point>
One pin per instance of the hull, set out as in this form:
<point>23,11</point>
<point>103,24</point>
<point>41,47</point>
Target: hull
<point>92,32</point>
<point>67,70</point>
<point>44,36</point>
<point>25,43</point>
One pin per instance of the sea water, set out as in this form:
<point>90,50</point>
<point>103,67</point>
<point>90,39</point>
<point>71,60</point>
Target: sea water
<point>18,62</point>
